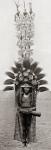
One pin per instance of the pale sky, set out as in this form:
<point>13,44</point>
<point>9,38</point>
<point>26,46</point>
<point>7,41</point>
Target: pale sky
<point>42,38</point>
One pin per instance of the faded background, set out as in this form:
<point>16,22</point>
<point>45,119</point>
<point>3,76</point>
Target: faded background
<point>8,54</point>
<point>42,38</point>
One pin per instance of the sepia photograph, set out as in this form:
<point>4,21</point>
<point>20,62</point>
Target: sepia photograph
<point>25,75</point>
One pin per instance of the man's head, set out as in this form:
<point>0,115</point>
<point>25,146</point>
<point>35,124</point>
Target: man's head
<point>26,88</point>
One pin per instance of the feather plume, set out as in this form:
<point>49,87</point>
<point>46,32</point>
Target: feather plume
<point>9,81</point>
<point>10,74</point>
<point>42,89</point>
<point>8,88</point>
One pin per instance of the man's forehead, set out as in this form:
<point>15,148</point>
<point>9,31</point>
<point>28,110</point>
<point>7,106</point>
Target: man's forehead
<point>26,85</point>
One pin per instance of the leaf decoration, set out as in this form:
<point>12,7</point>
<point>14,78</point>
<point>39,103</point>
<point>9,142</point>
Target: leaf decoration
<point>14,69</point>
<point>41,82</point>
<point>10,74</point>
<point>37,70</point>
<point>9,81</point>
<point>40,76</point>
<point>42,89</point>
<point>33,66</point>
<point>8,88</point>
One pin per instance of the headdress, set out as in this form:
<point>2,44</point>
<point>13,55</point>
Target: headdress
<point>25,70</point>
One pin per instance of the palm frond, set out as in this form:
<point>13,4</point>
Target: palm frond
<point>8,88</point>
<point>9,81</point>
<point>40,76</point>
<point>10,74</point>
<point>14,69</point>
<point>37,70</point>
<point>41,82</point>
<point>42,89</point>
<point>33,66</point>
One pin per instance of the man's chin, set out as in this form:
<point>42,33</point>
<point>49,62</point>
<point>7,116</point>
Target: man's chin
<point>26,93</point>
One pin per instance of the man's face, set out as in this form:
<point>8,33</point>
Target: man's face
<point>26,90</point>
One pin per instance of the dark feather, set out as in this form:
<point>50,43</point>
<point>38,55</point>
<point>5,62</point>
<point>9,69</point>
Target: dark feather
<point>9,81</point>
<point>18,65</point>
<point>26,64</point>
<point>8,88</point>
<point>40,76</point>
<point>42,89</point>
<point>14,69</point>
<point>33,66</point>
<point>10,74</point>
<point>37,70</point>
<point>41,82</point>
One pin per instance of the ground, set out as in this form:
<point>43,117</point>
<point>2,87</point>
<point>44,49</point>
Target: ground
<point>7,123</point>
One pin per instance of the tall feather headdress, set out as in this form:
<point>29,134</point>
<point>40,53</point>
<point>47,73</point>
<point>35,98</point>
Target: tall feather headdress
<point>25,69</point>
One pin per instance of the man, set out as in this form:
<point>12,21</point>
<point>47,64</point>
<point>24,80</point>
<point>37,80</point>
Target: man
<point>26,101</point>
<point>24,108</point>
